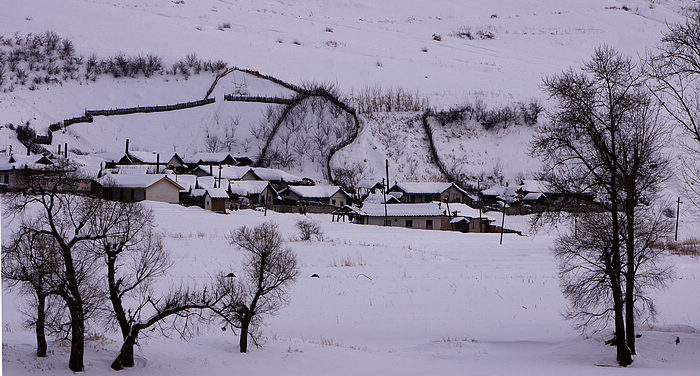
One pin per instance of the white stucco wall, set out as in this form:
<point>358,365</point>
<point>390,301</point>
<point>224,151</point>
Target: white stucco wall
<point>163,191</point>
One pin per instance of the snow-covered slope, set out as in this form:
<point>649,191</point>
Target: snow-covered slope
<point>352,44</point>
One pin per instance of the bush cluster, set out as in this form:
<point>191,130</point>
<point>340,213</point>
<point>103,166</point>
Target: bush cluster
<point>46,58</point>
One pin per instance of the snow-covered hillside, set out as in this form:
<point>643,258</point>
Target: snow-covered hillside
<point>443,51</point>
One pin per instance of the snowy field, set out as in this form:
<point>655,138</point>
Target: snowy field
<point>388,301</point>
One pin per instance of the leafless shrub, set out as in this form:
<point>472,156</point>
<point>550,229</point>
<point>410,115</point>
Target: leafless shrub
<point>424,49</point>
<point>224,26</point>
<point>379,99</point>
<point>309,229</point>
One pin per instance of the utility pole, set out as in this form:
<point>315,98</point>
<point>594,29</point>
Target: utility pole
<point>386,188</point>
<point>386,213</point>
<point>478,196</point>
<point>387,173</point>
<point>503,221</point>
<point>678,213</point>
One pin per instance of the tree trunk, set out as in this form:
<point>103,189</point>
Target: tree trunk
<point>40,324</point>
<point>77,344</point>
<point>244,335</point>
<point>624,357</point>
<point>119,312</point>
<point>630,282</point>
<point>126,353</point>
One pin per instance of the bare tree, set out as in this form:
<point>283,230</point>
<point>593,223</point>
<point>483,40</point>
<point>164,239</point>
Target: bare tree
<point>134,256</point>
<point>67,219</point>
<point>675,71</point>
<point>349,174</point>
<point>31,261</point>
<point>262,290</point>
<point>212,142</point>
<point>584,275</point>
<point>580,147</point>
<point>183,305</point>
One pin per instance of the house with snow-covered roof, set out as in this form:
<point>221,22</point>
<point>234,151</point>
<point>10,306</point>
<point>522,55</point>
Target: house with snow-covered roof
<point>210,159</point>
<point>215,199</point>
<point>316,195</point>
<point>16,171</point>
<point>424,192</point>
<point>274,175</point>
<point>427,216</point>
<point>254,192</point>
<point>131,188</point>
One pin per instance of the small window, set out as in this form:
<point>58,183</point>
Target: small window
<point>342,203</point>
<point>429,222</point>
<point>7,179</point>
<point>447,198</point>
<point>409,223</point>
<point>473,225</point>
<point>333,201</point>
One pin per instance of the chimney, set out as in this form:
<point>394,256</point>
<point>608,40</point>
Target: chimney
<point>158,163</point>
<point>126,148</point>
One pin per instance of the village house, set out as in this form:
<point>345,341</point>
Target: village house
<point>493,195</point>
<point>215,200</point>
<point>257,193</point>
<point>428,216</point>
<point>465,218</point>
<point>424,192</point>
<point>131,188</point>
<point>379,198</point>
<point>316,195</point>
<point>17,171</point>
<point>366,187</point>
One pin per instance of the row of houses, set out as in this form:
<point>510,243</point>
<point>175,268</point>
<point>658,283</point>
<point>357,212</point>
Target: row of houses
<point>434,215</point>
<point>220,187</point>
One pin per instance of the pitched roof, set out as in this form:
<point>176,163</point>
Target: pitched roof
<point>132,169</point>
<point>368,183</point>
<point>217,193</point>
<point>134,181</point>
<point>248,187</point>
<point>533,196</point>
<point>315,191</point>
<point>186,181</point>
<point>378,198</point>
<point>425,187</point>
<point>273,174</point>
<point>463,210</point>
<point>34,162</point>
<point>528,185</point>
<point>206,181</point>
<point>498,190</point>
<point>208,158</point>
<point>404,210</point>
<point>145,157</point>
